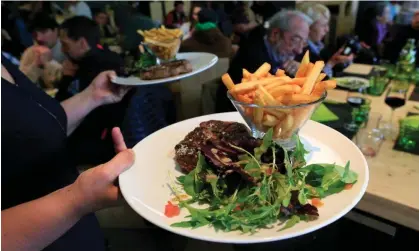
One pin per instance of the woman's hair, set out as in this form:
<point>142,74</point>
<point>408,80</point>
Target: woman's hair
<point>315,11</point>
<point>282,19</point>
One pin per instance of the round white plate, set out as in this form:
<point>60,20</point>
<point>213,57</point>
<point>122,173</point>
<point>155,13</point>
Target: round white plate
<point>352,82</point>
<point>145,184</point>
<point>200,62</point>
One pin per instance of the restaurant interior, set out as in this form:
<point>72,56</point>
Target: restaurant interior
<point>83,82</point>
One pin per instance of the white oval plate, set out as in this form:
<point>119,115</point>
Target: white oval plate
<point>145,184</point>
<point>200,62</point>
<point>362,82</point>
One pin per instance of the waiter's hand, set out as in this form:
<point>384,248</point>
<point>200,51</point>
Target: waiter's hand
<point>102,91</point>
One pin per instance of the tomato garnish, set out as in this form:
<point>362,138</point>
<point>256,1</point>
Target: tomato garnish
<point>171,210</point>
<point>316,202</point>
<point>348,186</point>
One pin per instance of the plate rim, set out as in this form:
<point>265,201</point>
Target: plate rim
<point>366,81</point>
<point>142,82</point>
<point>307,230</point>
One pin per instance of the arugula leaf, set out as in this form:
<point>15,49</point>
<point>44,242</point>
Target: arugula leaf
<point>187,224</point>
<point>291,222</point>
<point>253,169</point>
<point>329,178</point>
<point>192,182</point>
<point>315,174</point>
<point>283,190</point>
<point>181,179</point>
<point>288,166</point>
<point>302,197</point>
<point>299,152</point>
<point>212,179</point>
<point>347,175</point>
<point>266,143</point>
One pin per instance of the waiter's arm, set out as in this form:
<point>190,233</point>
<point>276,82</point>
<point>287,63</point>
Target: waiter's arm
<point>36,224</point>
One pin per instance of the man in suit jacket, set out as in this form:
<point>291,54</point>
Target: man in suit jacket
<point>277,42</point>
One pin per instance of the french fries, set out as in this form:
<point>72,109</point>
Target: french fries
<point>273,94</point>
<point>163,42</point>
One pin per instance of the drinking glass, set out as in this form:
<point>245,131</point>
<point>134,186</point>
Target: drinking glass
<point>357,100</point>
<point>395,98</point>
<point>378,83</point>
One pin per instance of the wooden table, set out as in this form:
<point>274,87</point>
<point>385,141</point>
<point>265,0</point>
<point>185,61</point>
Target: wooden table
<point>393,189</point>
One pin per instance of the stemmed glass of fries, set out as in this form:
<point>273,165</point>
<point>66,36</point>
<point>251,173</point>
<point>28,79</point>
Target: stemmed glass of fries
<point>277,101</point>
<point>163,42</point>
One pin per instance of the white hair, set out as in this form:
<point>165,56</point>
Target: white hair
<point>282,19</point>
<point>315,11</point>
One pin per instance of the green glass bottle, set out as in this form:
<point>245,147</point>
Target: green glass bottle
<point>407,60</point>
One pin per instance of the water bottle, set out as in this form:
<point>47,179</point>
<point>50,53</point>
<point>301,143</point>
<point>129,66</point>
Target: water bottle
<point>407,59</point>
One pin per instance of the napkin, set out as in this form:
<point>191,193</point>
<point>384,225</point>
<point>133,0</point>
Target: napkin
<point>412,121</point>
<point>323,114</point>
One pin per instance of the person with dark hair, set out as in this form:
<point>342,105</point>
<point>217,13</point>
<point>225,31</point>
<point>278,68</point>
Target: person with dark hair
<point>90,143</point>
<point>176,17</point>
<point>375,28</point>
<point>45,32</point>
<point>106,23</point>
<point>207,37</point>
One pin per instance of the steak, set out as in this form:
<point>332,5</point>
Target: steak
<point>165,70</point>
<point>214,139</point>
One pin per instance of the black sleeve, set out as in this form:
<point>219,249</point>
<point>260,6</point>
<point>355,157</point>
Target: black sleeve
<point>63,85</point>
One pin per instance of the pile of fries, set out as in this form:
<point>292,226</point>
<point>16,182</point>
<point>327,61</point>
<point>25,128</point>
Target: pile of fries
<point>163,42</point>
<point>270,93</point>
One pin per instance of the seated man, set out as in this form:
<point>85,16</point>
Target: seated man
<point>285,37</point>
<point>91,141</point>
<point>207,37</point>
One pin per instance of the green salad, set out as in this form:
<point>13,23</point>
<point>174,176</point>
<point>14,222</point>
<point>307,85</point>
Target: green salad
<point>282,196</point>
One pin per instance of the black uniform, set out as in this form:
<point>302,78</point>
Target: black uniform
<point>34,156</point>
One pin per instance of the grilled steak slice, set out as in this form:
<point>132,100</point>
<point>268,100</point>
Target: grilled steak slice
<point>166,70</point>
<point>214,139</point>
<point>186,152</point>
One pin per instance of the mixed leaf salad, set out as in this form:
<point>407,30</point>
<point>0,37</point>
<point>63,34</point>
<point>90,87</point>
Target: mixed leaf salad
<point>281,196</point>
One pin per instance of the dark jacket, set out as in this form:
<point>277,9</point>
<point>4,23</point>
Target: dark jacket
<point>398,41</point>
<point>91,142</point>
<point>211,41</point>
<point>250,56</point>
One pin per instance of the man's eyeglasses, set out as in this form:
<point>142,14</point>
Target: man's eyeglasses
<point>298,41</point>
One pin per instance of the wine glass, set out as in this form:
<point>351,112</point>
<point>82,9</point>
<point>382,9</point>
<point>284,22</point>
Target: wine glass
<point>357,100</point>
<point>395,98</point>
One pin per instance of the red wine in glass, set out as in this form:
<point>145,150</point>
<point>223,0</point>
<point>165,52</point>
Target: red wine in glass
<point>395,102</point>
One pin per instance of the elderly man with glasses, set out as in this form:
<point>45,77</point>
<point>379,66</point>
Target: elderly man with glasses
<point>277,42</point>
